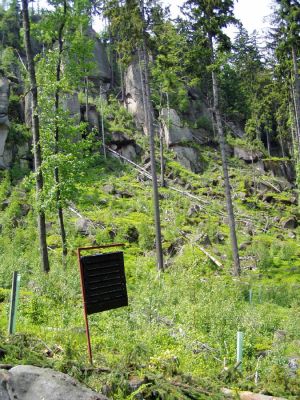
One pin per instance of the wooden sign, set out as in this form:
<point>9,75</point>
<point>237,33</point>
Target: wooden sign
<point>103,283</point>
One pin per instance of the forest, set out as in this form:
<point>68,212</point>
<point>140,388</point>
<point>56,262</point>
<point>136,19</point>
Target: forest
<point>121,124</point>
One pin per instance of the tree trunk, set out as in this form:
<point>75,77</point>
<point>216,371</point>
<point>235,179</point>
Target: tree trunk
<point>221,136</point>
<point>102,123</point>
<point>87,99</point>
<point>56,169</point>
<point>296,94</point>
<point>162,161</point>
<point>150,132</point>
<point>36,139</point>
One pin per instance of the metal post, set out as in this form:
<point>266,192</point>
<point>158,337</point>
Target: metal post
<point>14,302</point>
<point>250,296</point>
<point>84,309</point>
<point>239,349</point>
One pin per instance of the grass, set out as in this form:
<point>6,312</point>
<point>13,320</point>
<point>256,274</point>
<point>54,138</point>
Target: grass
<point>178,334</point>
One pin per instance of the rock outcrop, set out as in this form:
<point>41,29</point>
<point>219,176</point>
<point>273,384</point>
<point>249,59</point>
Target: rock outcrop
<point>4,121</point>
<point>246,155</point>
<point>177,137</point>
<point>134,93</point>
<point>174,131</point>
<point>125,146</point>
<point>102,71</point>
<point>188,157</point>
<point>26,382</point>
<point>72,105</point>
<point>281,169</point>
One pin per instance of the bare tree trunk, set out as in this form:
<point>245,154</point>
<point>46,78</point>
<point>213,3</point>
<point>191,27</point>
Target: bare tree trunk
<point>162,161</point>
<point>142,82</point>
<point>221,136</point>
<point>296,94</point>
<point>87,99</point>
<point>36,139</point>
<point>102,123</point>
<point>150,132</point>
<point>56,169</point>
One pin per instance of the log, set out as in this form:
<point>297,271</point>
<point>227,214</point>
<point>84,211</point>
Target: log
<point>212,258</point>
<point>249,395</point>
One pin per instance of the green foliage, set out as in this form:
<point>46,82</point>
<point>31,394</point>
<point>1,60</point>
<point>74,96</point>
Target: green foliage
<point>116,117</point>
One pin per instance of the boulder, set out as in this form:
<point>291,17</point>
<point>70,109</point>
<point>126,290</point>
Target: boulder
<point>289,223</point>
<point>281,169</point>
<point>134,93</point>
<point>194,210</point>
<point>83,226</point>
<point>129,151</point>
<point>26,382</point>
<point>188,158</point>
<point>248,156</point>
<point>173,129</point>
<point>4,121</point>
<point>125,146</point>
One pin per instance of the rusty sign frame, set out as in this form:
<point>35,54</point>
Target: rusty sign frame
<point>83,291</point>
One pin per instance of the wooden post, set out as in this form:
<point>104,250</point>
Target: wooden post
<point>14,303</point>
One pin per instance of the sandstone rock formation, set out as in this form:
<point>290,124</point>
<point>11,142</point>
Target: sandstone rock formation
<point>173,129</point>
<point>134,93</point>
<point>101,72</point>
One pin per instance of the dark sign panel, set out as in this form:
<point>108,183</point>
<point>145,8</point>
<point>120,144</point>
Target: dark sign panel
<point>104,282</point>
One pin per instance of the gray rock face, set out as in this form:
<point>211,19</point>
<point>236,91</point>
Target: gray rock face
<point>188,158</point>
<point>173,130</point>
<point>281,168</point>
<point>4,121</point>
<point>125,146</point>
<point>134,93</point>
<point>71,104</point>
<point>102,70</point>
<point>247,155</point>
<point>202,136</point>
<point>26,382</point>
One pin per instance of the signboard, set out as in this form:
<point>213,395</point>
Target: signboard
<point>103,283</point>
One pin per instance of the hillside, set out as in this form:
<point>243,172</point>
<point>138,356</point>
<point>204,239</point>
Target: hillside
<point>180,326</point>
<point>165,137</point>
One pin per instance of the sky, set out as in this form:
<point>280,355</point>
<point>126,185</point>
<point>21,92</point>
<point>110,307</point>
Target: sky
<point>252,13</point>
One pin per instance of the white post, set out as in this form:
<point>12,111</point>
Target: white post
<point>239,349</point>
<point>14,303</point>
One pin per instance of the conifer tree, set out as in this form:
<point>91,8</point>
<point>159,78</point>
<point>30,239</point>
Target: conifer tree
<point>208,17</point>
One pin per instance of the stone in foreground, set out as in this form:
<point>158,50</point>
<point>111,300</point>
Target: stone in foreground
<point>26,382</point>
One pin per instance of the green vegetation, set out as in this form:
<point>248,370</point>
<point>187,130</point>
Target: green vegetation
<point>180,326</point>
<point>177,337</point>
